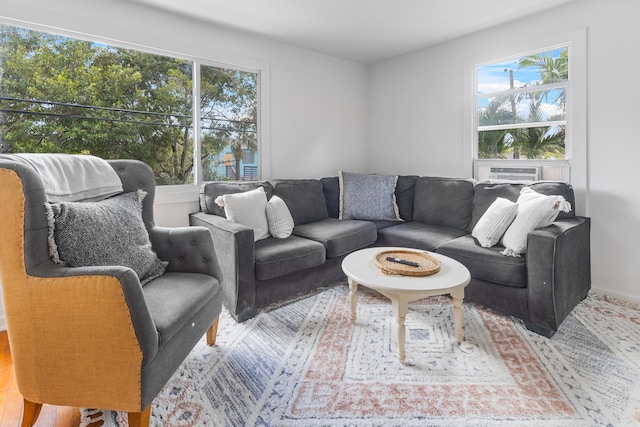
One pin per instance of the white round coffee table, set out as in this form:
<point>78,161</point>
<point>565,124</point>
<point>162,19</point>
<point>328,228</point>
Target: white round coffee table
<point>360,268</point>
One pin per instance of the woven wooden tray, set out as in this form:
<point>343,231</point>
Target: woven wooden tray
<point>428,265</point>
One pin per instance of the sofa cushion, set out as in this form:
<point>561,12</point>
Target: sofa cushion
<point>535,210</point>
<point>384,224</point>
<point>249,209</point>
<point>550,188</point>
<point>368,196</point>
<point>304,198</point>
<point>277,257</point>
<point>417,235</point>
<point>279,218</point>
<point>486,192</point>
<point>339,237</point>
<point>210,191</point>
<point>447,202</point>
<point>170,309</point>
<point>331,188</point>
<point>405,189</point>
<point>495,222</point>
<point>487,263</point>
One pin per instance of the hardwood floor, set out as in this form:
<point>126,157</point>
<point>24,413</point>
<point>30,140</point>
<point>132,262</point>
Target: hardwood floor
<point>11,400</point>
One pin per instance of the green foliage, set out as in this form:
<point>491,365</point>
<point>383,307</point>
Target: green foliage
<point>494,144</point>
<point>74,96</point>
<point>229,114</point>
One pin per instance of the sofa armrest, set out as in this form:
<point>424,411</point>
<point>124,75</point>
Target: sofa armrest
<point>234,247</point>
<point>559,271</point>
<point>187,249</point>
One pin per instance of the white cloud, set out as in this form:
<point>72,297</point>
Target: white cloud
<point>549,110</point>
<point>496,84</point>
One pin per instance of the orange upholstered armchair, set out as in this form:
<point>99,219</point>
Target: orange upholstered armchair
<point>98,336</point>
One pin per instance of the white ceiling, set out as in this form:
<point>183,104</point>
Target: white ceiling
<point>366,31</point>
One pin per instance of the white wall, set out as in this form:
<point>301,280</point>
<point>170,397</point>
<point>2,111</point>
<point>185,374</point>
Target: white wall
<point>416,122</point>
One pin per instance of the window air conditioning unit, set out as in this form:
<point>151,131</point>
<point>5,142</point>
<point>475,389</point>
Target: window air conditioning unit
<point>531,173</point>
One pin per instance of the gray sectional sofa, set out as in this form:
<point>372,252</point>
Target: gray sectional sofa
<point>438,214</point>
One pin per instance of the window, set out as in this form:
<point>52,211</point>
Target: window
<point>180,116</point>
<point>573,166</point>
<point>521,116</point>
<point>228,117</point>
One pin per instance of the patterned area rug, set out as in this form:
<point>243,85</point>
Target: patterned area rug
<point>305,364</point>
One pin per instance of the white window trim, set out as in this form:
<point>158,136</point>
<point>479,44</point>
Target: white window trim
<point>517,91</point>
<point>520,125</point>
<point>576,139</point>
<point>189,192</point>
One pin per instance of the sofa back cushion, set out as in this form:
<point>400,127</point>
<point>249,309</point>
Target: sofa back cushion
<point>447,202</point>
<point>304,198</point>
<point>486,192</point>
<point>405,189</point>
<point>557,189</point>
<point>211,190</point>
<point>331,189</point>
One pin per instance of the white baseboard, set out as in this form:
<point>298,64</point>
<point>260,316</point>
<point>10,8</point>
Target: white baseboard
<point>616,295</point>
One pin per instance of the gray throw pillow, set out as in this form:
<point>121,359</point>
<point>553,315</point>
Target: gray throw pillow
<point>368,197</point>
<point>106,232</point>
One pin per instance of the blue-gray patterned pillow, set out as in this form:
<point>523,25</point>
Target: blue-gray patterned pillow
<point>368,197</point>
<point>106,232</point>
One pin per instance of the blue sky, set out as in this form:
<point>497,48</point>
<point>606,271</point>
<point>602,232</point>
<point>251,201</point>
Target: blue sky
<point>495,77</point>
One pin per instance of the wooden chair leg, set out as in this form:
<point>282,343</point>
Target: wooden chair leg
<point>30,412</point>
<point>140,419</point>
<point>212,332</point>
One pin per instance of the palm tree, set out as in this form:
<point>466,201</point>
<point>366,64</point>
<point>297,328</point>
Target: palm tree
<point>550,69</point>
<point>493,144</point>
<point>541,142</point>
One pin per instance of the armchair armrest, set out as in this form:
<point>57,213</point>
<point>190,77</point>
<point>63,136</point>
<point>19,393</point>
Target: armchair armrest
<point>143,325</point>
<point>234,248</point>
<point>559,271</point>
<point>187,249</point>
<point>84,318</point>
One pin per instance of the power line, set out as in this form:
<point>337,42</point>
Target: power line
<point>118,120</point>
<point>106,119</point>
<point>75,116</point>
<point>93,107</point>
<point>112,109</point>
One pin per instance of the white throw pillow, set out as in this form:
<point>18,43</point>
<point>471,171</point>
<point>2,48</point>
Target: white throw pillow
<point>249,209</point>
<point>279,218</point>
<point>494,222</point>
<point>535,210</point>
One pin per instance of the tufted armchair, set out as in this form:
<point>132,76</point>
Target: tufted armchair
<point>93,336</point>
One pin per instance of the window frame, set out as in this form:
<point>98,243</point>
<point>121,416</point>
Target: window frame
<point>180,193</point>
<point>576,149</point>
<point>562,164</point>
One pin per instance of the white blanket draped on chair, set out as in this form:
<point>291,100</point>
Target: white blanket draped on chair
<point>74,177</point>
